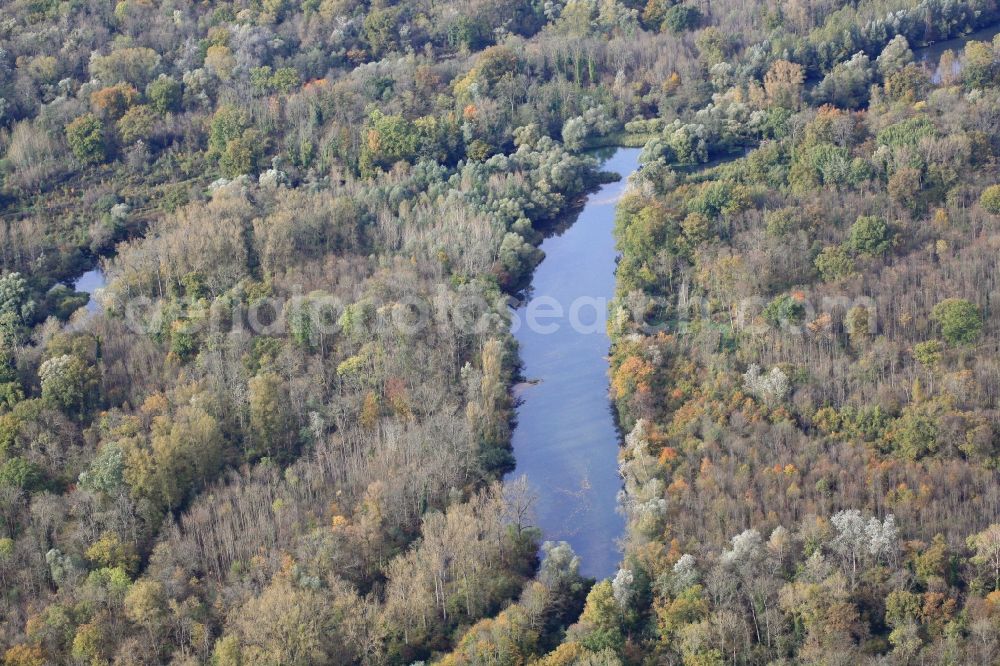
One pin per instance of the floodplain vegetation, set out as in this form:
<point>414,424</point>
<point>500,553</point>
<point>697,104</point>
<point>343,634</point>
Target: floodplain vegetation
<point>279,440</point>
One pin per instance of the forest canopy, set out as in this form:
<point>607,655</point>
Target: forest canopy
<point>242,455</point>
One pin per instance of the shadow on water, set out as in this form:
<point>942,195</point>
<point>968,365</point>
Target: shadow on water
<point>932,52</point>
<point>930,55</point>
<point>566,440</point>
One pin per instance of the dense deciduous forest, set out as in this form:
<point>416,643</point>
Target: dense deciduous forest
<point>281,437</point>
<point>806,362</point>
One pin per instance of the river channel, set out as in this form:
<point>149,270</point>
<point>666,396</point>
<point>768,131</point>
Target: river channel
<point>566,440</point>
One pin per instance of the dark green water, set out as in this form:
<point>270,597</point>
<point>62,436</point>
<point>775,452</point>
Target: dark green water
<point>566,441</point>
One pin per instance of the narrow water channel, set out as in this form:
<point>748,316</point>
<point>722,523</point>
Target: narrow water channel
<point>566,441</point>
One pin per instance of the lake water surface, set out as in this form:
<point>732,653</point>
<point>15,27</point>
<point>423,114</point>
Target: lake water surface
<point>566,441</point>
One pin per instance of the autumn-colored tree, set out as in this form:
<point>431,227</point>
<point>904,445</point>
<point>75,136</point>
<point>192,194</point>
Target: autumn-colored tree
<point>25,655</point>
<point>112,102</point>
<point>979,67</point>
<point>146,606</point>
<point>783,84</point>
<point>220,61</point>
<point>110,551</point>
<point>92,643</point>
<point>600,625</point>
<point>186,450</point>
